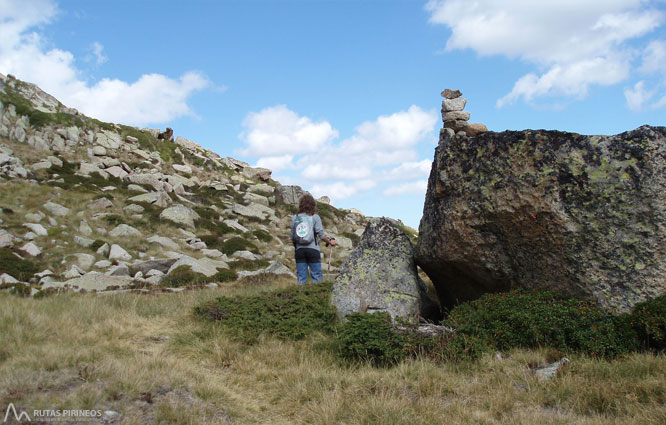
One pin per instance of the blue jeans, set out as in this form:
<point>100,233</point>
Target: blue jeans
<point>308,258</point>
<point>302,272</point>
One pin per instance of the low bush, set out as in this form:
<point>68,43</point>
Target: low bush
<point>97,244</point>
<point>291,313</point>
<point>214,226</point>
<point>225,276</point>
<point>114,219</point>
<point>18,289</point>
<point>212,241</point>
<point>206,213</point>
<point>238,244</point>
<point>371,337</point>
<point>249,264</point>
<point>262,235</point>
<point>648,319</point>
<point>184,276</point>
<point>20,269</point>
<point>540,318</point>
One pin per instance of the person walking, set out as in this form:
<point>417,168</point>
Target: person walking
<point>306,231</point>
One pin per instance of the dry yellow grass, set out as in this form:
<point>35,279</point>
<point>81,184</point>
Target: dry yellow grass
<point>146,357</point>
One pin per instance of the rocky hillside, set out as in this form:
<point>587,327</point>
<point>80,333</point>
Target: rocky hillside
<point>93,206</point>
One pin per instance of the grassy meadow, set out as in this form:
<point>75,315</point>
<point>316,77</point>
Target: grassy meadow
<point>150,359</point>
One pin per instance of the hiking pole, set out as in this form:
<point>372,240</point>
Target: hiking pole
<point>330,254</point>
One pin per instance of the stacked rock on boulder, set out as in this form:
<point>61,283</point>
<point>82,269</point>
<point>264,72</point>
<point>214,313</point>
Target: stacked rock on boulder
<point>455,119</point>
<point>380,275</point>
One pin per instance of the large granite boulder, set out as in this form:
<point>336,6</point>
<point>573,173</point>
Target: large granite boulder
<point>288,194</point>
<point>547,210</point>
<point>181,215</point>
<point>379,275</point>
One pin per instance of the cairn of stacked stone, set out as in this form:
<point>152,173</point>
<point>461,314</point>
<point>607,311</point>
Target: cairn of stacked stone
<point>455,119</point>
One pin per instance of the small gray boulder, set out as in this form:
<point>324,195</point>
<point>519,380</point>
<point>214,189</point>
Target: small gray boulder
<point>379,275</point>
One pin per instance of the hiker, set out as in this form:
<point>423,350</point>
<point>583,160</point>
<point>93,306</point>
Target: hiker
<point>306,227</point>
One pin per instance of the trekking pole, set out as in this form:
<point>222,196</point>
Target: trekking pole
<point>330,254</point>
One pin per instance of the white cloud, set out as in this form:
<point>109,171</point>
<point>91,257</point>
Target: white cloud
<point>153,98</point>
<point>277,131</point>
<point>391,132</point>
<point>570,80</point>
<point>276,163</point>
<point>98,51</point>
<point>342,190</point>
<point>654,57</point>
<point>410,170</point>
<point>418,187</point>
<point>336,171</point>
<point>660,103</point>
<point>573,43</point>
<point>637,96</point>
<point>284,139</point>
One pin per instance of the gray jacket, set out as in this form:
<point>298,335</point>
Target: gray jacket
<point>318,229</point>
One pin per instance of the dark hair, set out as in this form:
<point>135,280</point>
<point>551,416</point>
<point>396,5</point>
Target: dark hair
<point>307,204</point>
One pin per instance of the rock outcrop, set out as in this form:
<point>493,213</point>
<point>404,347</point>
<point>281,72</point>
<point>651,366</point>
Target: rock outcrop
<point>379,274</point>
<point>548,210</point>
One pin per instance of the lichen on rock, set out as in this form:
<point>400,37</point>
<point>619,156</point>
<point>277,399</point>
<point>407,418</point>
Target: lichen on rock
<point>379,274</point>
<point>549,210</point>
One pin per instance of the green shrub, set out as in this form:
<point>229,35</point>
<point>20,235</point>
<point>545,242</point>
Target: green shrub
<point>212,241</point>
<point>371,337</point>
<point>649,321</point>
<point>184,276</point>
<point>97,244</point>
<point>102,125</point>
<point>225,276</point>
<point>206,213</point>
<point>541,318</point>
<point>114,219</point>
<point>18,289</point>
<point>217,227</point>
<point>44,293</point>
<point>291,313</point>
<point>249,264</point>
<point>454,346</point>
<point>20,269</point>
<point>237,244</point>
<point>262,235</point>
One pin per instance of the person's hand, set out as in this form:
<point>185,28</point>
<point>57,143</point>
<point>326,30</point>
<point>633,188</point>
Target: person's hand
<point>332,242</point>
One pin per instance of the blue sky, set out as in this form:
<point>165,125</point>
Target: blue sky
<point>343,97</point>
